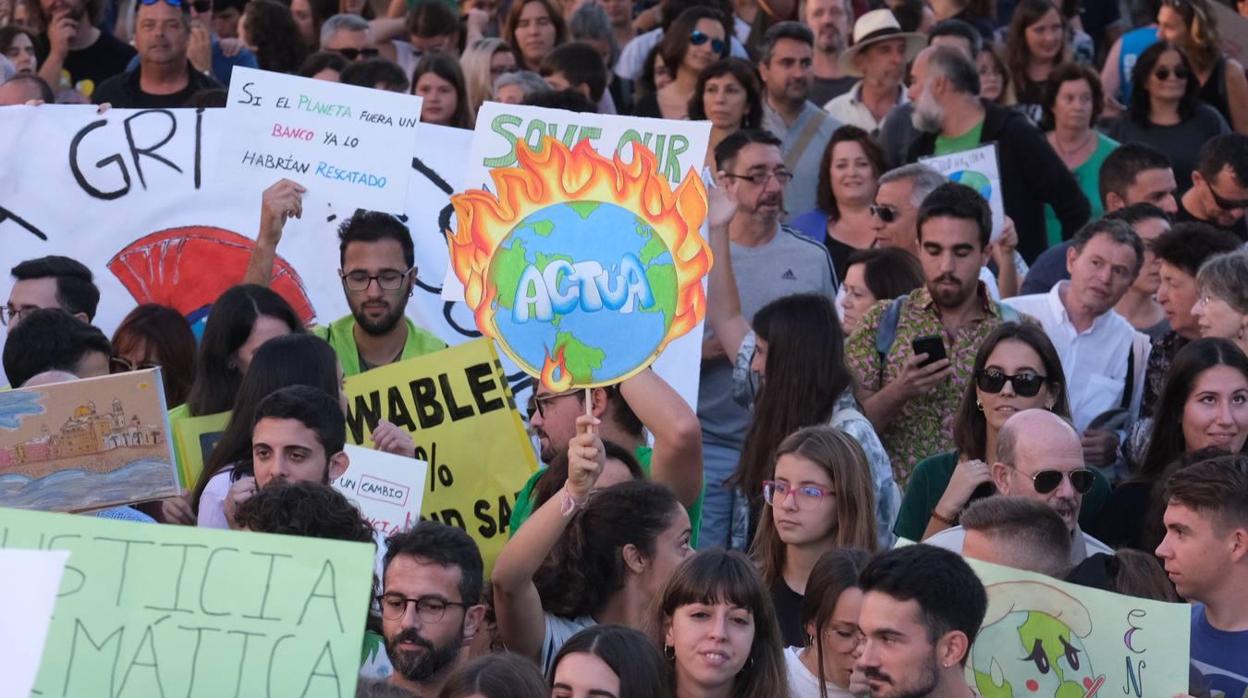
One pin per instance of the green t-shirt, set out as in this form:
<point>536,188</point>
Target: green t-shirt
<point>524,501</point>
<point>957,144</point>
<point>932,475</point>
<point>341,336</point>
<point>1088,175</point>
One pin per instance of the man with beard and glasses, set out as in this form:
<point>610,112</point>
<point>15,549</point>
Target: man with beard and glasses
<point>72,45</point>
<point>430,604</point>
<point>830,22</point>
<point>770,261</point>
<point>1039,457</point>
<point>947,109</point>
<point>921,610</point>
<point>784,65</point>
<point>1103,357</point>
<point>906,396</point>
<point>165,77</point>
<point>378,268</point>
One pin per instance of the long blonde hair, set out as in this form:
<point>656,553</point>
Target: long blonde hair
<point>845,462</point>
<point>476,64</point>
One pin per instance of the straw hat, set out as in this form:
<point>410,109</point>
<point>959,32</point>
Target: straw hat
<point>876,26</point>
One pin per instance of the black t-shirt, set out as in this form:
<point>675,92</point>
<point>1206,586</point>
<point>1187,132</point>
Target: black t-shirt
<point>124,91</point>
<point>107,57</point>
<point>825,90</point>
<point>788,605</point>
<point>1239,230</point>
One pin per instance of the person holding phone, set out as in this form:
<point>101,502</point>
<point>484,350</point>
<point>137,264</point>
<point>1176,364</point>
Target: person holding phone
<point>906,387</point>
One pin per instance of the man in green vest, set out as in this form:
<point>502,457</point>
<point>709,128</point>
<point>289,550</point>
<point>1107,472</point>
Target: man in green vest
<point>377,268</point>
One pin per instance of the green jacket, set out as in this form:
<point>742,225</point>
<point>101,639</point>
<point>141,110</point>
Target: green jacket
<point>341,336</point>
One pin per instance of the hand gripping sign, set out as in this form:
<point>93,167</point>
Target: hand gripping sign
<point>582,267</point>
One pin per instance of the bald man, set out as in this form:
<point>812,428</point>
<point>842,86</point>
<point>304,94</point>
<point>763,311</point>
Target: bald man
<point>1039,457</point>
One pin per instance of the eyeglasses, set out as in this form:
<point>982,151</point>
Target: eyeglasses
<point>537,402</point>
<point>352,54</point>
<point>1224,203</point>
<point>758,179</point>
<point>1045,481</point>
<point>120,364</point>
<point>1180,73</point>
<point>776,491</point>
<point>887,214</point>
<point>387,279</point>
<point>430,609</point>
<point>10,315</point>
<point>697,38</point>
<point>991,380</point>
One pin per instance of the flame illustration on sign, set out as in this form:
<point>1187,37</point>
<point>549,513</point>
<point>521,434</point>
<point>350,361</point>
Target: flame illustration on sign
<point>558,174</point>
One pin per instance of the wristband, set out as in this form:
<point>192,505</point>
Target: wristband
<point>570,505</point>
<point>944,519</point>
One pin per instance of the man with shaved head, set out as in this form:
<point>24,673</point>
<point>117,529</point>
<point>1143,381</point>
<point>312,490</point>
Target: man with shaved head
<point>1039,457</point>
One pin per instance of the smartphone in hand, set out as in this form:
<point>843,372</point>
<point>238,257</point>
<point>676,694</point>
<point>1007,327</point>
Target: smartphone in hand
<point>933,345</point>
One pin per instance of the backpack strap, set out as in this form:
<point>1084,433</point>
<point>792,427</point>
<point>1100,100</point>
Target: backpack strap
<point>804,139</point>
<point>886,332</point>
<point>1129,386</point>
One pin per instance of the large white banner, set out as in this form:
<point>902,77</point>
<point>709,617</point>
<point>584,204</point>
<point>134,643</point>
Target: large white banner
<point>134,195</point>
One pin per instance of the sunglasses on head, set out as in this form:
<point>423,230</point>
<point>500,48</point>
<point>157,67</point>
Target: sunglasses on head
<point>991,380</point>
<point>1180,73</point>
<point>888,214</point>
<point>1045,481</point>
<point>171,3</point>
<point>698,38</point>
<point>352,54</point>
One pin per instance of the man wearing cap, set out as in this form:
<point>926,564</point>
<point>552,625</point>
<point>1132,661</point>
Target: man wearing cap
<point>879,55</point>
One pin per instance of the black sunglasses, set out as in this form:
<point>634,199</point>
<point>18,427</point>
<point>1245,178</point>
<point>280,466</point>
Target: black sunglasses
<point>888,214</point>
<point>698,38</point>
<point>352,54</point>
<point>1180,73</point>
<point>1225,204</point>
<point>1046,481</point>
<point>991,380</point>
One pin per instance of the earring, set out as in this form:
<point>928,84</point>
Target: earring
<point>979,405</point>
<point>669,652</point>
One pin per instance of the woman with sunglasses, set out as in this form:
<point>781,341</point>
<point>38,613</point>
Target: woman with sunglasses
<point>819,499</point>
<point>823,665</point>
<point>697,38</point>
<point>1204,404</point>
<point>1016,369</point>
<point>849,176</point>
<point>729,96</point>
<point>533,28</point>
<point>1191,25</point>
<point>483,62</point>
<point>153,336</point>
<point>1166,112</point>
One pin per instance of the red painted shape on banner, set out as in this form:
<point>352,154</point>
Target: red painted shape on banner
<point>187,268</point>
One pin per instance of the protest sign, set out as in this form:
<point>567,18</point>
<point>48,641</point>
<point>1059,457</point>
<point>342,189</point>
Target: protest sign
<point>193,441</point>
<point>978,169</point>
<point>128,194</point>
<point>1046,638</point>
<point>387,489</point>
<point>149,610</point>
<point>460,411</point>
<point>353,144</point>
<point>86,444</point>
<point>584,256</point>
<point>27,593</point>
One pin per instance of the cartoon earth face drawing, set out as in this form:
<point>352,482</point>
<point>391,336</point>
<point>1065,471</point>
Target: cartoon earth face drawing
<point>1033,648</point>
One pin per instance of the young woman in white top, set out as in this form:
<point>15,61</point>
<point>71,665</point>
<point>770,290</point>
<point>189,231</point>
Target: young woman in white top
<point>824,668</point>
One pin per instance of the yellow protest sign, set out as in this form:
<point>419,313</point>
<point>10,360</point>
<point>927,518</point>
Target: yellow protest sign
<point>193,440</point>
<point>458,407</point>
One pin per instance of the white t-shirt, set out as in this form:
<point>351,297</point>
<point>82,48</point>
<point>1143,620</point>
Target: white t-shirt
<point>212,501</point>
<point>803,683</point>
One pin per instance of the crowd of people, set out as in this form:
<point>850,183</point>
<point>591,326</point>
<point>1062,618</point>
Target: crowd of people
<point>1064,391</point>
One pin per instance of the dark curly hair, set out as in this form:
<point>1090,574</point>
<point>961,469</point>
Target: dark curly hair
<point>307,509</point>
<point>276,40</point>
<point>587,568</point>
